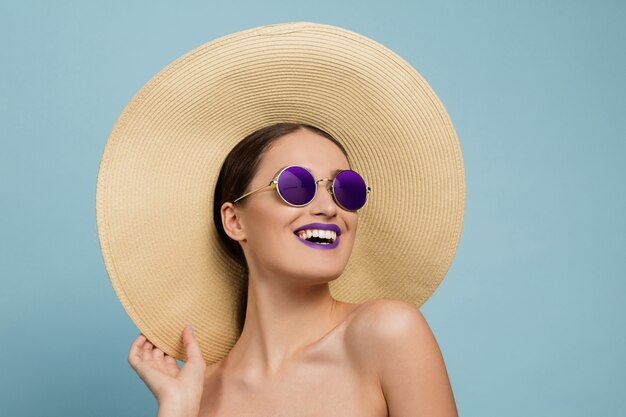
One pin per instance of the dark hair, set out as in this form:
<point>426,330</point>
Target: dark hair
<point>234,178</point>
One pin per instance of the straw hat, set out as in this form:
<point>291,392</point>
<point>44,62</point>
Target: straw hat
<point>158,171</point>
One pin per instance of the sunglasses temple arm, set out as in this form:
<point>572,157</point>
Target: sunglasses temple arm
<point>254,191</point>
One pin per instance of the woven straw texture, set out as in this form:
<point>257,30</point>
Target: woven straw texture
<point>158,170</point>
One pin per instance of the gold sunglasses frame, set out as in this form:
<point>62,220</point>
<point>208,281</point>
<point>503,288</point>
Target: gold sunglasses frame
<point>274,184</point>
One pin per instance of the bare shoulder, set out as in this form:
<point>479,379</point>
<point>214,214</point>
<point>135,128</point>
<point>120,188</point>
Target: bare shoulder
<point>392,340</point>
<point>381,325</point>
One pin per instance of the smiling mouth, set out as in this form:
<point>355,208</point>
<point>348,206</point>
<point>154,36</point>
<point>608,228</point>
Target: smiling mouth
<point>323,237</point>
<point>318,242</point>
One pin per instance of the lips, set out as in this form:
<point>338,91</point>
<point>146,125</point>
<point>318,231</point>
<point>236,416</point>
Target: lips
<point>319,226</point>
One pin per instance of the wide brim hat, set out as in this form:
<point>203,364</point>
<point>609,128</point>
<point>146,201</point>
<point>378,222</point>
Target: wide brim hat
<point>157,175</point>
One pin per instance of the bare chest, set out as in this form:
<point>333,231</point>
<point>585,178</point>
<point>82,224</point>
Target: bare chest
<point>326,385</point>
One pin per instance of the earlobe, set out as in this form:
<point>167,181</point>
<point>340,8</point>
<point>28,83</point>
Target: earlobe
<point>231,222</point>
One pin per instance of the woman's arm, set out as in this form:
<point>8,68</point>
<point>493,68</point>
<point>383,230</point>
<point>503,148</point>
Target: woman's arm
<point>398,345</point>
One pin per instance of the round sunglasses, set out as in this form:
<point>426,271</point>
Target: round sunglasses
<point>297,187</point>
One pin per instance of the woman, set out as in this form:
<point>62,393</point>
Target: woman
<point>314,334</point>
<point>296,337</point>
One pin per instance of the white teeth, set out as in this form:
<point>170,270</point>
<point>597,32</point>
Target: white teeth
<point>324,234</point>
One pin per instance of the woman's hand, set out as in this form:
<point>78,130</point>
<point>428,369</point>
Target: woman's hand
<point>180,388</point>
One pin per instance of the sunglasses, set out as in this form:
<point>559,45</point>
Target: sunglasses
<point>297,187</point>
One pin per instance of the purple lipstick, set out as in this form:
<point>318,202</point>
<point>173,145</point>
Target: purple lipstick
<point>319,226</point>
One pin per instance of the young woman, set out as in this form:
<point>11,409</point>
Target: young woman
<point>294,314</point>
<point>301,352</point>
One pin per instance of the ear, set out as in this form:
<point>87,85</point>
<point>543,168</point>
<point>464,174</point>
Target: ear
<point>231,221</point>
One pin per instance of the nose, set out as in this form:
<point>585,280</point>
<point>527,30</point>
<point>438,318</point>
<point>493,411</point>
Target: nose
<point>324,203</point>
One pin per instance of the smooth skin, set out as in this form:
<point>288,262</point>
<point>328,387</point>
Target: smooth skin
<point>177,390</point>
<point>301,352</point>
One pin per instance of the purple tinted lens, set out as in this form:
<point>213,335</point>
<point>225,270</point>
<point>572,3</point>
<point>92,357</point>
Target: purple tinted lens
<point>296,185</point>
<point>350,190</point>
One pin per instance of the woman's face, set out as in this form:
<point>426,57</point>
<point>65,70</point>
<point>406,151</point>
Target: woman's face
<point>268,223</point>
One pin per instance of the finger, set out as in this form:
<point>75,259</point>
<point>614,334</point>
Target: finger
<point>170,360</point>
<point>157,354</point>
<point>194,355</point>
<point>192,348</point>
<point>147,350</point>
<point>135,349</point>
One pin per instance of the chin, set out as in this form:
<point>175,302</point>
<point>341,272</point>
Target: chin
<point>320,275</point>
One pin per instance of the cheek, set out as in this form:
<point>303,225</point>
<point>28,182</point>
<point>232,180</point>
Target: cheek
<point>352,221</point>
<point>269,229</point>
<point>274,248</point>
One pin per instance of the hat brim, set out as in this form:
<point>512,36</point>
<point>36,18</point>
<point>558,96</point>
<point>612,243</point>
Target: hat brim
<point>158,171</point>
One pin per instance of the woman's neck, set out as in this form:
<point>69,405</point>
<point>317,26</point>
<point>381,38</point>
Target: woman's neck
<point>281,322</point>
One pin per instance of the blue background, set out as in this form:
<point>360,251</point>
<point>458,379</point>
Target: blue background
<point>531,315</point>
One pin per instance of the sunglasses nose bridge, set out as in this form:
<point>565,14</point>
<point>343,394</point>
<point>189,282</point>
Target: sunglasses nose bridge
<point>329,184</point>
